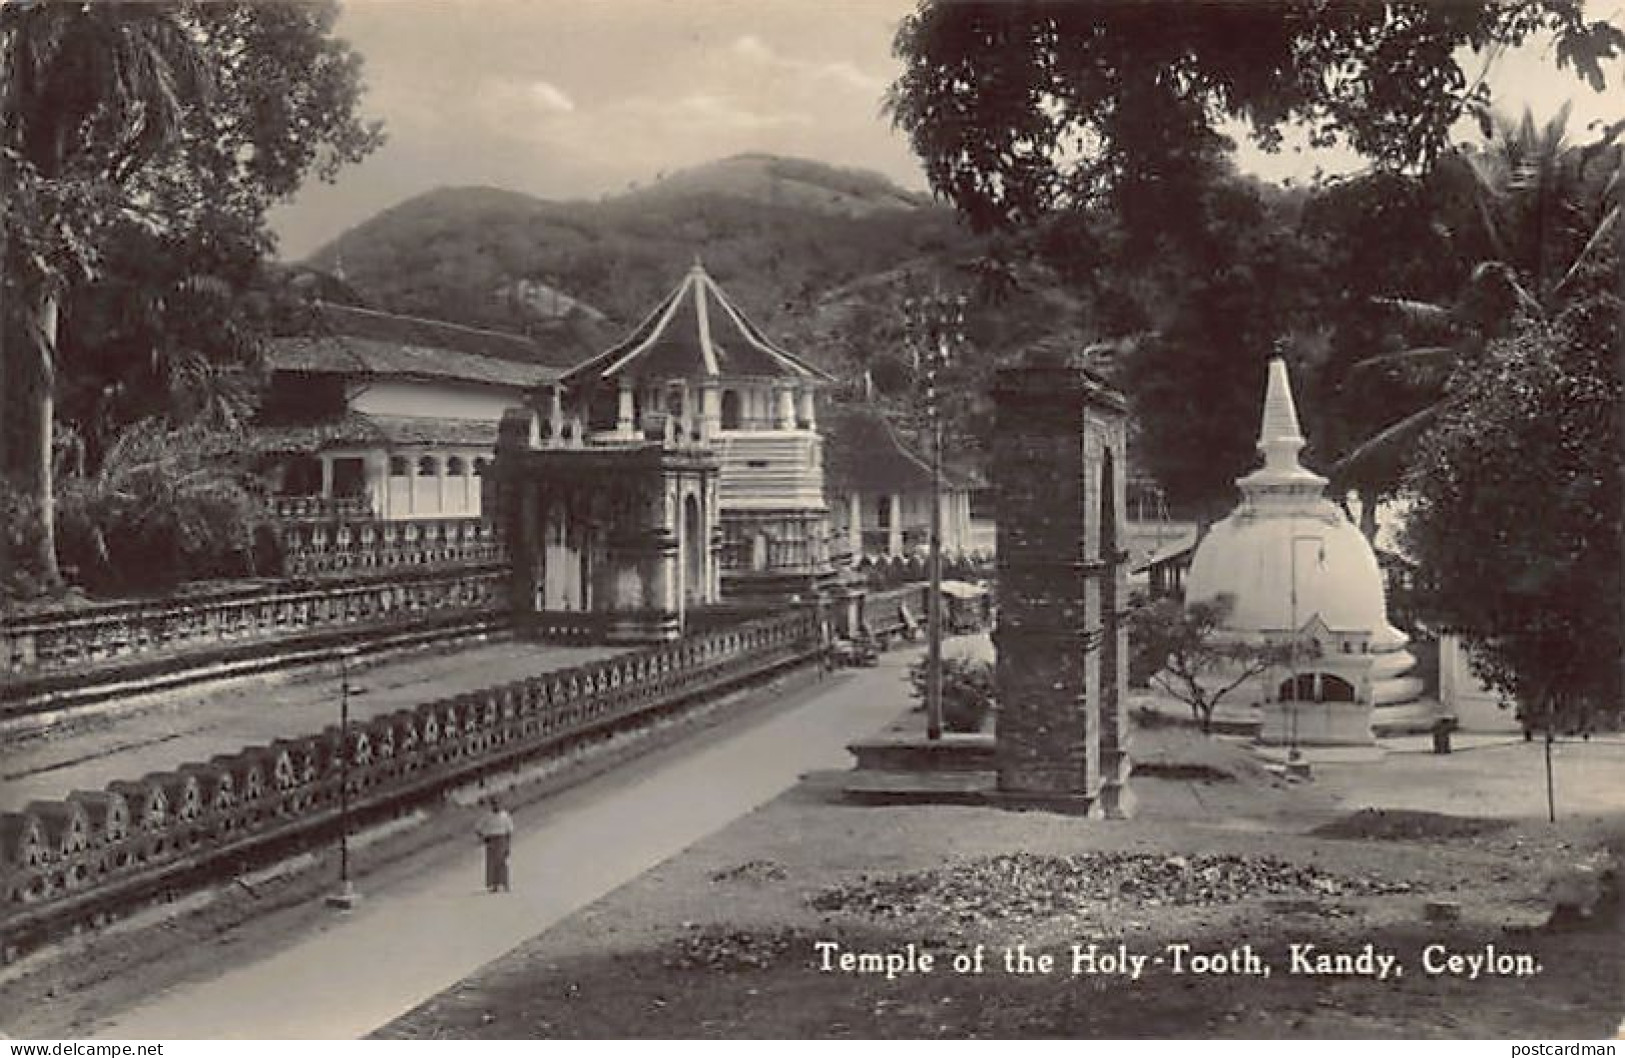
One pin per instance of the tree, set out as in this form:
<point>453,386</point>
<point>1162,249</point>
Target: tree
<point>173,117</point>
<point>1369,236</point>
<point>1532,219</point>
<point>1192,662</point>
<point>1021,108</point>
<point>1517,514</point>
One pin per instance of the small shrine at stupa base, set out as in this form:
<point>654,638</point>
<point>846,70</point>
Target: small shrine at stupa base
<point>1297,571</point>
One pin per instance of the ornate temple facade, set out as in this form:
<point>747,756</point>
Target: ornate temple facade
<point>1298,571</point>
<point>681,466</point>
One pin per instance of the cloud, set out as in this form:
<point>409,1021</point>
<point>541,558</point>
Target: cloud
<point>550,96</point>
<point>512,104</point>
<point>754,49</point>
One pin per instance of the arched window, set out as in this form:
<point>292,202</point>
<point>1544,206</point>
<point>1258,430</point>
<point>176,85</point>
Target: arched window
<point>456,468</point>
<point>731,414</point>
<point>428,467</point>
<point>1331,688</point>
<point>481,464</point>
<point>398,467</point>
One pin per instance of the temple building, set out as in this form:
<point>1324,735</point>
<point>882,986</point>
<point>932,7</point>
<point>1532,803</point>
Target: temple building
<point>880,492</point>
<point>1297,570</point>
<point>681,466</point>
<point>392,414</point>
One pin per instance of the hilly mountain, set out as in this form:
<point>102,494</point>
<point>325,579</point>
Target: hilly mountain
<point>792,183</point>
<point>778,233</point>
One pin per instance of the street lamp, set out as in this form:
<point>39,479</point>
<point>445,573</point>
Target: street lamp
<point>935,325</point>
<point>346,897</point>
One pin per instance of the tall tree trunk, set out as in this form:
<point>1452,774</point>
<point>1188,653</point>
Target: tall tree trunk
<point>1368,514</point>
<point>36,402</point>
<point>8,416</point>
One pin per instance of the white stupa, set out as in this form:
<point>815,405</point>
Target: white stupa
<point>1295,567</point>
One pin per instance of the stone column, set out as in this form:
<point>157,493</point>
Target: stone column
<point>809,411</point>
<point>785,416</point>
<point>624,424</point>
<point>376,469</point>
<point>553,407</point>
<point>854,527</point>
<point>710,410</point>
<point>1116,764</point>
<point>1049,728</point>
<point>327,476</point>
<point>894,528</point>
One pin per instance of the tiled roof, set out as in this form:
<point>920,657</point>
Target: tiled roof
<point>862,453</point>
<point>365,431</point>
<point>353,341</point>
<point>696,332</point>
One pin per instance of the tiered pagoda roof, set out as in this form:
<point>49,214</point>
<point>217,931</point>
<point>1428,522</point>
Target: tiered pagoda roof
<point>696,332</point>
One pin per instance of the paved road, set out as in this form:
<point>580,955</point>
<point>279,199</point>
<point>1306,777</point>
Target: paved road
<point>167,730</point>
<point>410,942</point>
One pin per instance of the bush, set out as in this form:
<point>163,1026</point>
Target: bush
<point>159,512</point>
<point>968,692</point>
<point>19,535</point>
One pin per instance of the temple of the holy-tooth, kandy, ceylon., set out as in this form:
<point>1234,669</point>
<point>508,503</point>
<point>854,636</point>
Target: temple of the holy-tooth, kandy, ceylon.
<point>1296,569</point>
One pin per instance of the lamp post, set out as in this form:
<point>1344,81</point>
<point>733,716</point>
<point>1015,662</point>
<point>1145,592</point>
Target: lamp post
<point>346,897</point>
<point>935,325</point>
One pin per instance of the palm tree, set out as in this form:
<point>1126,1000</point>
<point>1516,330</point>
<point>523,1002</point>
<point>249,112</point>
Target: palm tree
<point>90,93</point>
<point>1539,218</point>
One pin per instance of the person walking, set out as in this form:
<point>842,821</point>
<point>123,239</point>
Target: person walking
<point>496,832</point>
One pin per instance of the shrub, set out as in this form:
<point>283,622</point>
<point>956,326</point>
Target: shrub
<point>160,511</point>
<point>968,692</point>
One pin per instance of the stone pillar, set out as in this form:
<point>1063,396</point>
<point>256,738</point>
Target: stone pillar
<point>710,410</point>
<point>854,525</point>
<point>785,415</point>
<point>809,412</point>
<point>624,424</point>
<point>1050,726</point>
<point>894,528</point>
<point>553,407</point>
<point>376,469</point>
<point>327,476</point>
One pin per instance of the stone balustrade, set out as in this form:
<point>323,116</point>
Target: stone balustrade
<point>71,863</point>
<point>324,547</point>
<point>313,508</point>
<point>41,644</point>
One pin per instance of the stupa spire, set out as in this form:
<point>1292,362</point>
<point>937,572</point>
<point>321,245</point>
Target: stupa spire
<point>1279,437</point>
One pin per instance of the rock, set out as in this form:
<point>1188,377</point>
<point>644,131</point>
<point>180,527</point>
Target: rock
<point>1442,911</point>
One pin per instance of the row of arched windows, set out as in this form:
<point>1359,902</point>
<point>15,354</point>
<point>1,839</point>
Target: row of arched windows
<point>429,467</point>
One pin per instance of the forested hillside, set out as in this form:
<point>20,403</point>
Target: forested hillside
<point>778,233</point>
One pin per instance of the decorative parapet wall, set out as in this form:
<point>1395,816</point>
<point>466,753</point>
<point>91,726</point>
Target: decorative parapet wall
<point>313,547</point>
<point>72,863</point>
<point>65,641</point>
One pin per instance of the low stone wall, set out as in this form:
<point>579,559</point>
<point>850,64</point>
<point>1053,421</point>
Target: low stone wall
<point>72,641</point>
<point>71,864</point>
<point>325,547</point>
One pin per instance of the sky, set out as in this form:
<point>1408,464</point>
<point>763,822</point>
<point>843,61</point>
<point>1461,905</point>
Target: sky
<point>575,99</point>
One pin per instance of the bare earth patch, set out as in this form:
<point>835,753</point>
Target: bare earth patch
<point>742,936</point>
